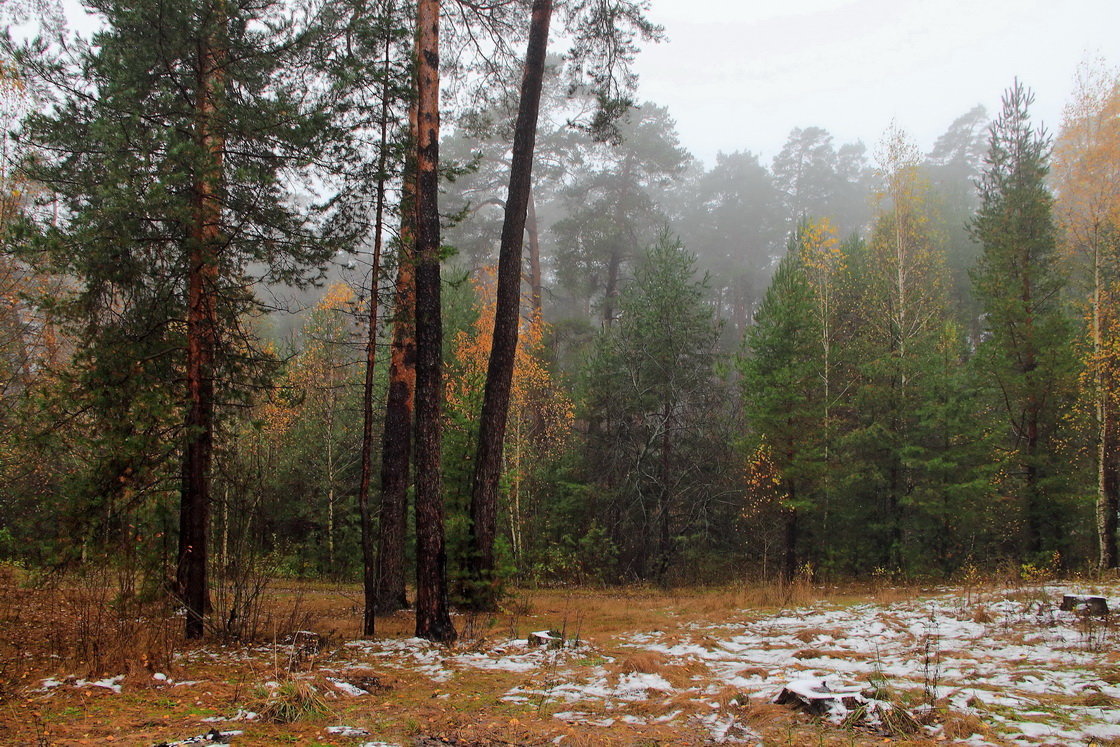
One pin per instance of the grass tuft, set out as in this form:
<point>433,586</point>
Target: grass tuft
<point>292,701</point>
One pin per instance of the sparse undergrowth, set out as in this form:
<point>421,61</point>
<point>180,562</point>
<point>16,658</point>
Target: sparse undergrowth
<point>990,663</point>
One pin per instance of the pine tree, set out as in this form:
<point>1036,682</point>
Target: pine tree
<point>433,617</point>
<point>172,161</point>
<point>507,320</point>
<point>1026,349</point>
<point>901,317</point>
<point>783,394</point>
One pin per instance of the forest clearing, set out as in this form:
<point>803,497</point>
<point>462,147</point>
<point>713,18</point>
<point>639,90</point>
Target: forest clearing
<point>395,372</point>
<point>983,664</point>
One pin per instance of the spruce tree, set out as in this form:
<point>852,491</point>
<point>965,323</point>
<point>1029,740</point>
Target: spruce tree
<point>653,399</point>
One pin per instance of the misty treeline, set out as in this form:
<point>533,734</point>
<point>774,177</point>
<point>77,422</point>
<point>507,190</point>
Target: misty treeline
<point>238,341</point>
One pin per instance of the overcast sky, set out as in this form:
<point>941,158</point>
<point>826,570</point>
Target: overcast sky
<point>740,74</point>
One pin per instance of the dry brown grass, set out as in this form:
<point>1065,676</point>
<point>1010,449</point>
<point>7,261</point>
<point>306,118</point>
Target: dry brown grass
<point>293,700</point>
<point>406,703</point>
<point>808,635</point>
<point>1098,700</point>
<point>678,674</point>
<point>981,614</point>
<point>962,725</point>
<point>844,654</point>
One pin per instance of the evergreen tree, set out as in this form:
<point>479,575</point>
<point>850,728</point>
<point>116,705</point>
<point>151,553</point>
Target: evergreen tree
<point>782,393</point>
<point>653,399</point>
<point>433,617</point>
<point>1026,350</point>
<point>953,166</point>
<point>612,208</point>
<point>899,330</point>
<point>731,217</point>
<point>172,161</point>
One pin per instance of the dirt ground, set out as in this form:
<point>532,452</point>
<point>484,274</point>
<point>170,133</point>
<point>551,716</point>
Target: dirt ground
<point>628,667</point>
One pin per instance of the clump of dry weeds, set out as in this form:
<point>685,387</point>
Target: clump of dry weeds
<point>292,701</point>
<point>962,725</point>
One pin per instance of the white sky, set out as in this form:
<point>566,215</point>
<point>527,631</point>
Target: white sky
<point>740,74</point>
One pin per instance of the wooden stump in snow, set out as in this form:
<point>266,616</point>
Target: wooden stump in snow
<point>546,638</point>
<point>1084,604</point>
<point>820,698</point>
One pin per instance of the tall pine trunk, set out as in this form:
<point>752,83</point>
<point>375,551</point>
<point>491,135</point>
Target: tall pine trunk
<point>202,339</point>
<point>482,585</point>
<point>369,560</point>
<point>396,445</point>
<point>433,618</point>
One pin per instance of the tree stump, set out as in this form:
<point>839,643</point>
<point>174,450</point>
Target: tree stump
<point>546,638</point>
<point>1084,604</point>
<point>820,698</point>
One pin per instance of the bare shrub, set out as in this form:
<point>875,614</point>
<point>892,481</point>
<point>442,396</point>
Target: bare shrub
<point>102,622</point>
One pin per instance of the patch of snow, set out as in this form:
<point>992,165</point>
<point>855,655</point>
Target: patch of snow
<point>241,715</point>
<point>727,729</point>
<point>346,731</point>
<point>505,664</point>
<point>1104,732</point>
<point>640,682</point>
<point>49,683</point>
<point>110,683</point>
<point>352,690</point>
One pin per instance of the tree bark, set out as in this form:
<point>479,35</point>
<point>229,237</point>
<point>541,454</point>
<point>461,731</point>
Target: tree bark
<point>369,560</point>
<point>1109,499</point>
<point>1108,471</point>
<point>433,619</point>
<point>202,340</point>
<point>1030,437</point>
<point>482,585</point>
<point>789,544</point>
<point>396,453</point>
<point>665,495</point>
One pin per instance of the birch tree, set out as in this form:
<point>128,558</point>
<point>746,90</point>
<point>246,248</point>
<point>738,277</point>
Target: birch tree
<point>1087,177</point>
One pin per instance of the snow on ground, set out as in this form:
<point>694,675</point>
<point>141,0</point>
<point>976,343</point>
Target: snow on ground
<point>1031,673</point>
<point>1009,660</point>
<point>418,655</point>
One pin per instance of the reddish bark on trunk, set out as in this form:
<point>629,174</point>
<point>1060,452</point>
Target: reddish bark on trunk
<point>433,619</point>
<point>202,342</point>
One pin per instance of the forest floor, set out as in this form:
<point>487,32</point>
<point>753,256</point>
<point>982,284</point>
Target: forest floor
<point>987,664</point>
